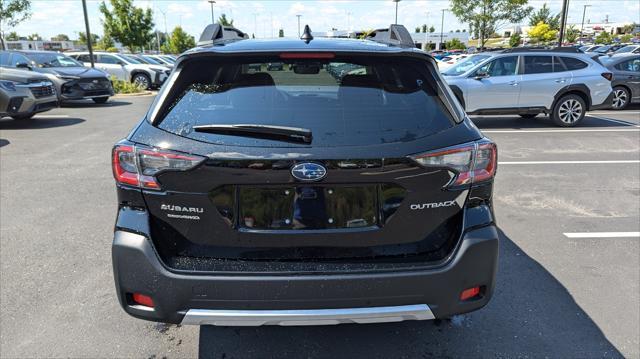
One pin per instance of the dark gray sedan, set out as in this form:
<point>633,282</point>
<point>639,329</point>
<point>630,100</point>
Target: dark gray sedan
<point>72,79</point>
<point>626,79</point>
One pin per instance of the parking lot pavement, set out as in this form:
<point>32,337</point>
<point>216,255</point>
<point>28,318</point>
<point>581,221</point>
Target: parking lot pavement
<point>557,295</point>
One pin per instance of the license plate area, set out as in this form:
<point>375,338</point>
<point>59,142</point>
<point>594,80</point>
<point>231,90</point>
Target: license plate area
<point>308,207</point>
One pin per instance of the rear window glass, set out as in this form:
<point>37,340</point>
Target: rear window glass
<point>573,63</point>
<point>343,102</point>
<point>538,64</point>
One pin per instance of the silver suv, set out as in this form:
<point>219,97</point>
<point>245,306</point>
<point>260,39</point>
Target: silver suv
<point>126,68</point>
<point>562,82</point>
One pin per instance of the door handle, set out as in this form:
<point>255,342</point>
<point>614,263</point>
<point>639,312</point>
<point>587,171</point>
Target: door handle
<point>561,81</point>
<point>513,83</point>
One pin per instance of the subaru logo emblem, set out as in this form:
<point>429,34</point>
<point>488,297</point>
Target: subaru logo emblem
<point>308,171</point>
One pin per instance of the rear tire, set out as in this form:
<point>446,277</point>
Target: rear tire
<point>568,111</point>
<point>528,116</point>
<point>621,97</point>
<point>23,117</point>
<point>100,99</point>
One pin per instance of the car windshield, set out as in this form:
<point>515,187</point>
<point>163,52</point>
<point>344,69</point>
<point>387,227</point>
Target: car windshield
<point>131,59</point>
<point>44,59</point>
<point>168,59</point>
<point>626,49</point>
<point>342,102</point>
<point>150,60</point>
<point>465,65</point>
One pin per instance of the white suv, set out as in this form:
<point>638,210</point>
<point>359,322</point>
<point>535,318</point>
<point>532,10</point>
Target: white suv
<point>562,82</point>
<point>125,68</point>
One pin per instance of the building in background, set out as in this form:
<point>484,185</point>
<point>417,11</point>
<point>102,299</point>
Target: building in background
<point>41,45</point>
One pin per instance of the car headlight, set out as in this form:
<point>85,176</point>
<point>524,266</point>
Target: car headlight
<point>8,85</point>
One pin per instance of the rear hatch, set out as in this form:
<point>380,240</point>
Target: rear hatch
<point>329,158</point>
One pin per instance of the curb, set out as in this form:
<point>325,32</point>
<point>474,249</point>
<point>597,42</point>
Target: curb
<point>138,94</point>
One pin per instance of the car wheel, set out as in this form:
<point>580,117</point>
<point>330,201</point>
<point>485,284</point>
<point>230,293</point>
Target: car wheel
<point>569,111</point>
<point>621,98</point>
<point>142,80</point>
<point>23,117</point>
<point>100,99</point>
<point>528,115</point>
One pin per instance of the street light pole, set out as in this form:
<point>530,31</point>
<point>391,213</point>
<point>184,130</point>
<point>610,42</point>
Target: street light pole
<point>584,10</point>
<point>86,25</point>
<point>213,19</point>
<point>298,16</point>
<point>442,30</point>
<point>563,21</point>
<point>396,1</point>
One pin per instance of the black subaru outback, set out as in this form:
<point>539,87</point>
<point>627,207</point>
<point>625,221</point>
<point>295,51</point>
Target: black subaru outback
<point>348,187</point>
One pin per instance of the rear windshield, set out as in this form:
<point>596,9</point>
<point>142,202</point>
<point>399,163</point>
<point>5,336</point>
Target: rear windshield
<point>342,102</point>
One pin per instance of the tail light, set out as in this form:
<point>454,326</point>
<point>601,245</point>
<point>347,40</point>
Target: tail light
<point>607,75</point>
<point>137,166</point>
<point>473,162</point>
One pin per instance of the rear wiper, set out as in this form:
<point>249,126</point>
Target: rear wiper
<point>278,133</point>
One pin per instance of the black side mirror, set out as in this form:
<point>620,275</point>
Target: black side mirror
<point>481,75</point>
<point>23,65</point>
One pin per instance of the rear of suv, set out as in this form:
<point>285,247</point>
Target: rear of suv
<point>564,83</point>
<point>304,195</point>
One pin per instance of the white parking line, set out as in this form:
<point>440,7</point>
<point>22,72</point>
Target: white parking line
<point>613,113</point>
<point>564,162</point>
<point>572,130</point>
<point>603,235</point>
<point>51,116</point>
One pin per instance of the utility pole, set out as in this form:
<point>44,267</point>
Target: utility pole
<point>563,21</point>
<point>164,15</point>
<point>298,16</point>
<point>86,25</point>
<point>255,24</point>
<point>213,19</point>
<point>271,22</point>
<point>396,1</point>
<point>584,10</point>
<point>348,20</point>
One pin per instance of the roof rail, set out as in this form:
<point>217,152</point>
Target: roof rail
<point>216,33</point>
<point>566,49</point>
<point>395,35</point>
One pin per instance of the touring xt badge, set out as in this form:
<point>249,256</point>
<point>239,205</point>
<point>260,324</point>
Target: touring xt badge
<point>183,212</point>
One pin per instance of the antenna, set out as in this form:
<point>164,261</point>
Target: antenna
<point>306,35</point>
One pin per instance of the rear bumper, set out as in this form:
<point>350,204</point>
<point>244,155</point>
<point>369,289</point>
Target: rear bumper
<point>304,299</point>
<point>604,105</point>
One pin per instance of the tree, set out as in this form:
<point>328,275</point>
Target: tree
<point>179,42</point>
<point>544,14</point>
<point>455,44</point>
<point>486,16</point>
<point>542,33</point>
<point>60,37</point>
<point>603,38</point>
<point>34,37</point>
<point>424,28</point>
<point>103,43</point>
<point>13,12</point>
<point>13,36</point>
<point>572,34</point>
<point>432,29</point>
<point>222,20</point>
<point>417,29</point>
<point>514,40</point>
<point>127,24</point>
<point>82,38</point>
<point>281,33</point>
<point>623,38</point>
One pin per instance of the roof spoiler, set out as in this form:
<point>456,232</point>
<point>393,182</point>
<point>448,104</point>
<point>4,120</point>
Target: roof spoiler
<point>215,33</point>
<point>395,35</point>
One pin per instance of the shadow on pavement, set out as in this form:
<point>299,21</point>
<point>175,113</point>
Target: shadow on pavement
<point>540,122</point>
<point>4,142</point>
<point>530,315</point>
<point>35,123</point>
<point>90,103</point>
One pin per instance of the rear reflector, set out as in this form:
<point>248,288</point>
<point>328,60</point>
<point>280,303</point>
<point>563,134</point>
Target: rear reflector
<point>142,300</point>
<point>137,165</point>
<point>307,55</point>
<point>470,293</point>
<point>473,162</point>
<point>607,75</point>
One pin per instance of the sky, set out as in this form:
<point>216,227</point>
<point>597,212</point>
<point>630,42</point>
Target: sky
<point>264,18</point>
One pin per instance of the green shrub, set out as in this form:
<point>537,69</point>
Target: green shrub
<point>120,86</point>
